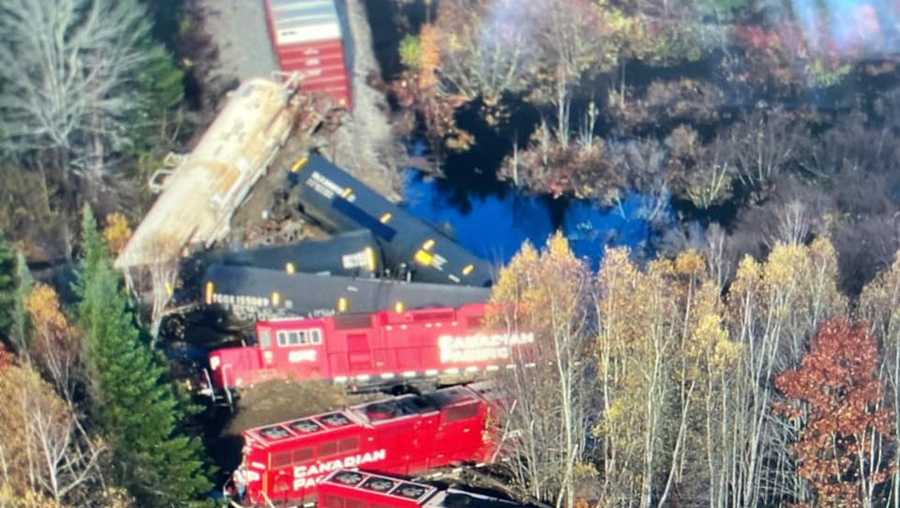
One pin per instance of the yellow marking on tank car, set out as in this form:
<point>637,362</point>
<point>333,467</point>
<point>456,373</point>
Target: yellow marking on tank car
<point>370,259</point>
<point>423,257</point>
<point>210,291</point>
<point>300,164</point>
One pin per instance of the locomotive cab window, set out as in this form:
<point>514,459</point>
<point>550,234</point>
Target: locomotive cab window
<point>299,337</point>
<point>265,338</point>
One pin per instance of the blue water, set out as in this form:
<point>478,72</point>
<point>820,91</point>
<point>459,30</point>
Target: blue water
<point>495,226</point>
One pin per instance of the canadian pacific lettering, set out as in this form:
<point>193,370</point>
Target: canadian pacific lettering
<point>308,476</point>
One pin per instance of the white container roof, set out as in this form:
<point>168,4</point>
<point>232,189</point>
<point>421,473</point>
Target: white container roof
<point>304,21</point>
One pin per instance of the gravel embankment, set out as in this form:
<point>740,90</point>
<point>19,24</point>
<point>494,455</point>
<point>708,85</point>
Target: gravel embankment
<point>238,28</point>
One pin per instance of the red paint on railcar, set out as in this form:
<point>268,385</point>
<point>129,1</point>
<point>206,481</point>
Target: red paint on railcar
<point>361,489</point>
<point>404,435</point>
<point>384,347</point>
<point>307,38</point>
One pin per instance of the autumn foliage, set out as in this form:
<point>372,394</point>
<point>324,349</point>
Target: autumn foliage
<point>837,396</point>
<point>117,232</point>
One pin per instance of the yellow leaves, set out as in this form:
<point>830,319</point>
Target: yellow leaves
<point>726,354</point>
<point>26,397</point>
<point>538,289</point>
<point>44,309</point>
<point>784,264</point>
<point>27,499</point>
<point>690,263</point>
<point>117,232</point>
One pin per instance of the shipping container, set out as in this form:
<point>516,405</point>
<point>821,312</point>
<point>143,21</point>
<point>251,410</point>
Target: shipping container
<point>308,39</point>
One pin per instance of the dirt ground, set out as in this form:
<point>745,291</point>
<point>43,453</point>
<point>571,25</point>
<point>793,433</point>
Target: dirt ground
<point>278,401</point>
<point>238,28</point>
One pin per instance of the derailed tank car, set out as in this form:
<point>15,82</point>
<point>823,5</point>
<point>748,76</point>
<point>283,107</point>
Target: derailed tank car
<point>257,293</point>
<point>354,254</point>
<point>381,348</point>
<point>405,435</point>
<point>343,203</point>
<point>350,488</point>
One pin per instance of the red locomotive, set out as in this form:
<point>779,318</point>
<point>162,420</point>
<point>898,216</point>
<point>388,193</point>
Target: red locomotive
<point>384,347</point>
<point>357,489</point>
<point>403,435</point>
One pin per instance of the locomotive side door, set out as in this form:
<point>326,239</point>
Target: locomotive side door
<point>359,354</point>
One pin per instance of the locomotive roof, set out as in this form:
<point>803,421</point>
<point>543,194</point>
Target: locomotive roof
<point>410,491</point>
<point>382,485</point>
<point>363,414</point>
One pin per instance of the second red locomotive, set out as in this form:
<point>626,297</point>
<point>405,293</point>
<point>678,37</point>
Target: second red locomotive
<point>404,435</point>
<point>358,489</point>
<point>384,347</point>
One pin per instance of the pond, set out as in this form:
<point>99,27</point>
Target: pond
<point>494,225</point>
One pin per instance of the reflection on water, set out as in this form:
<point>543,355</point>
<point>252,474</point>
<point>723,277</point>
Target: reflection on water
<point>494,226</point>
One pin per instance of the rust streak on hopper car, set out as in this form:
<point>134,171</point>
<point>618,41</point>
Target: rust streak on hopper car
<point>208,185</point>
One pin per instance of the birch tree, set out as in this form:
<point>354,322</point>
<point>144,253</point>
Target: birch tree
<point>880,306</point>
<point>773,309</point>
<point>45,452</point>
<point>546,294</point>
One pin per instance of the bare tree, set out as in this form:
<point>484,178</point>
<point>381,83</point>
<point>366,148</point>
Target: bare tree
<point>763,145</point>
<point>69,70</point>
<point>486,50</point>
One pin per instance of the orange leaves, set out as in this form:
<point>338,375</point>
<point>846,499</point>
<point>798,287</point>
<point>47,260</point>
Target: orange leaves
<point>117,232</point>
<point>55,342</point>
<point>838,390</point>
<point>429,56</point>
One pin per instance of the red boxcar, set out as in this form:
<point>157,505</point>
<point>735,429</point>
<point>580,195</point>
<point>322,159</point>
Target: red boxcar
<point>384,347</point>
<point>403,435</point>
<point>357,489</point>
<point>307,38</point>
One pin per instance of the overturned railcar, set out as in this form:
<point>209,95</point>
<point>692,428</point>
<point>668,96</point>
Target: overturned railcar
<point>340,202</point>
<point>248,292</point>
<point>353,254</point>
<point>207,185</point>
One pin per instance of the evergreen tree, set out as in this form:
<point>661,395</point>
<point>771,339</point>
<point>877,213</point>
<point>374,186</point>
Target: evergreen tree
<point>132,400</point>
<point>7,286</point>
<point>19,330</point>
